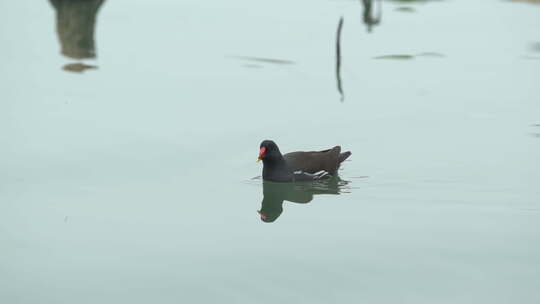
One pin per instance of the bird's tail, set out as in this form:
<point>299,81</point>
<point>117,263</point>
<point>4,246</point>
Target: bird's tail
<point>343,156</point>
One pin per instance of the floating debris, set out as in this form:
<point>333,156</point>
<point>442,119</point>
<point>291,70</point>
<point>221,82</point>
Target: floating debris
<point>395,57</point>
<point>265,60</point>
<point>78,67</point>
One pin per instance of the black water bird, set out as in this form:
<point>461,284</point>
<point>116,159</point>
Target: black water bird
<point>299,166</point>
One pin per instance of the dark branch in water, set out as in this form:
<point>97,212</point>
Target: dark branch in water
<point>338,58</point>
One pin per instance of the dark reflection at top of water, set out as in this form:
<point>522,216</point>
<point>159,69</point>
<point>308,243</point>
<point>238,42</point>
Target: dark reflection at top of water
<point>371,15</point>
<point>75,24</point>
<point>274,194</point>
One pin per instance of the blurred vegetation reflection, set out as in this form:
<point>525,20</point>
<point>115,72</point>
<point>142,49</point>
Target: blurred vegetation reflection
<point>302,193</point>
<point>75,25</point>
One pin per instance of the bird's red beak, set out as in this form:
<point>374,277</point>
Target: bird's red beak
<point>263,216</point>
<point>262,152</point>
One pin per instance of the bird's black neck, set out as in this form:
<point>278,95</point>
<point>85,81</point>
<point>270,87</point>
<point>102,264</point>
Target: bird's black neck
<point>275,167</point>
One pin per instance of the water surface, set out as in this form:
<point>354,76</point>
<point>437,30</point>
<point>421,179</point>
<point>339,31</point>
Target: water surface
<point>129,142</point>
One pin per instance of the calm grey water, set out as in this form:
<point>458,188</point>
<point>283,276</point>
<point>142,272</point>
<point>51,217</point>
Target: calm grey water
<point>131,177</point>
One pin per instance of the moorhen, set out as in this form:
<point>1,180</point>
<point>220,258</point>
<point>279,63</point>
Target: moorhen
<point>299,166</point>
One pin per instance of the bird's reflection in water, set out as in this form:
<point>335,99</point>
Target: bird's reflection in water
<point>75,25</point>
<point>274,194</point>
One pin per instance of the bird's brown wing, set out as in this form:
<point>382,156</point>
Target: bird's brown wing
<point>314,161</point>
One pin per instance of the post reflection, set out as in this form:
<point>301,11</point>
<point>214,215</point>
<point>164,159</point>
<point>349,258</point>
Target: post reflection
<point>338,59</point>
<point>372,15</point>
<point>274,194</point>
<point>75,26</point>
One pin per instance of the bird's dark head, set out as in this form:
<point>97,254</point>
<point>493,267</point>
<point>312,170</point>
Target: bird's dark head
<point>268,150</point>
<point>270,216</point>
